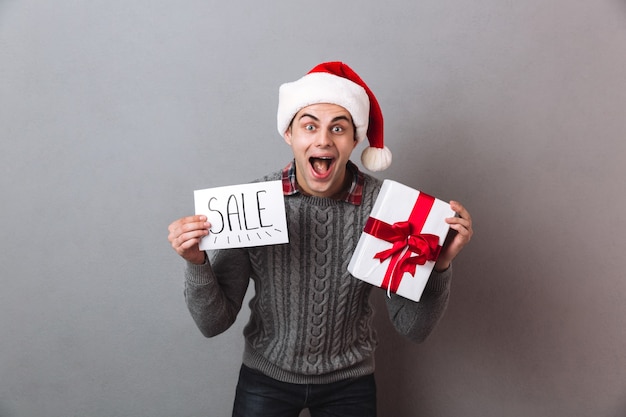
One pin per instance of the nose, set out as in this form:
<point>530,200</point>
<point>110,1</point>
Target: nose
<point>324,139</point>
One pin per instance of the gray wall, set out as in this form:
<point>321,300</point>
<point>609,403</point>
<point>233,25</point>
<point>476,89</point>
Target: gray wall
<point>113,112</point>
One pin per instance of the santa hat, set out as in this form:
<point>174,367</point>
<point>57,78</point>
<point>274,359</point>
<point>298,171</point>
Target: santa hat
<point>336,83</point>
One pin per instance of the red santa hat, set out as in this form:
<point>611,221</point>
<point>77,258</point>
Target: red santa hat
<point>336,83</point>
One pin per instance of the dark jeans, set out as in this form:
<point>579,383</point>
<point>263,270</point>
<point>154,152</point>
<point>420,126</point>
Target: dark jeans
<point>261,396</point>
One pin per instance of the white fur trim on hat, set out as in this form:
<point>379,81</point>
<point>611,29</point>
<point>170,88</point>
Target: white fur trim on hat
<point>321,87</point>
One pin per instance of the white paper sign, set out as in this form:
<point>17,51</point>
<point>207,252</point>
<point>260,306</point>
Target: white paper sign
<point>243,215</point>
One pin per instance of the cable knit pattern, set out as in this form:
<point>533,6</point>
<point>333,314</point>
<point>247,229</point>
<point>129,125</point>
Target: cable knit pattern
<point>311,321</point>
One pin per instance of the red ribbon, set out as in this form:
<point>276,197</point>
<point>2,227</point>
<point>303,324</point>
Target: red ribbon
<point>410,247</point>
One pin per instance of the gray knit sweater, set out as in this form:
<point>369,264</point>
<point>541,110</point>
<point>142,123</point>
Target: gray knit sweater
<point>311,321</point>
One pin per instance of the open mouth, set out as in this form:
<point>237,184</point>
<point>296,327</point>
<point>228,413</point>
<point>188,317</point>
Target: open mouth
<point>321,165</point>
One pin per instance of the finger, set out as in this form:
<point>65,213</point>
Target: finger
<point>185,220</point>
<point>189,239</point>
<point>187,224</point>
<point>460,210</point>
<point>459,221</point>
<point>187,232</point>
<point>194,226</point>
<point>463,235</point>
<point>462,230</point>
<point>177,225</point>
<point>188,244</point>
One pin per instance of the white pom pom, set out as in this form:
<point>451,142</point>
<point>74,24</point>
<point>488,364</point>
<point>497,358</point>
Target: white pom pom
<point>376,159</point>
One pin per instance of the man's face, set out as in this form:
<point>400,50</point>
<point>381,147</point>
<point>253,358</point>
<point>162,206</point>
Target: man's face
<point>321,137</point>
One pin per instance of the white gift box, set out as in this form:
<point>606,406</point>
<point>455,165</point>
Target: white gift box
<point>401,216</point>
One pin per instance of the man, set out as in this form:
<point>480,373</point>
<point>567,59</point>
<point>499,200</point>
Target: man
<point>310,341</point>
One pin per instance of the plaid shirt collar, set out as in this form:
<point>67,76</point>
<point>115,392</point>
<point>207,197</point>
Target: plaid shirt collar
<point>290,185</point>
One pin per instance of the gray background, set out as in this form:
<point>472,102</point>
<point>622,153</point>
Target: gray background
<point>113,112</point>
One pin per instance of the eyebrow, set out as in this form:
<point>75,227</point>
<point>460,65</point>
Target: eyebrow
<point>336,119</point>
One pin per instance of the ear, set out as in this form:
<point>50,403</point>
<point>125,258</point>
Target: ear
<point>287,135</point>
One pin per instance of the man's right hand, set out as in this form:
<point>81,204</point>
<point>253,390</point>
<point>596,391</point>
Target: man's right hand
<point>185,235</point>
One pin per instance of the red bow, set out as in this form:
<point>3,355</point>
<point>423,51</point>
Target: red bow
<point>410,247</point>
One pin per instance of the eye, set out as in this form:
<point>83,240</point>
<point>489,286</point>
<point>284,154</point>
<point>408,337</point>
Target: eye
<point>337,129</point>
<point>309,128</point>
